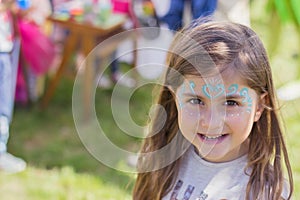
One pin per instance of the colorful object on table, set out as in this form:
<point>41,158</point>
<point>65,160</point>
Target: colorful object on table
<point>24,4</point>
<point>145,17</point>
<point>77,14</point>
<point>148,8</point>
<point>105,10</point>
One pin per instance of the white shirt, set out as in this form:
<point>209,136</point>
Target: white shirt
<point>202,180</point>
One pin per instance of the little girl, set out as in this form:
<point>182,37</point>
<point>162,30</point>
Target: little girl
<point>219,135</point>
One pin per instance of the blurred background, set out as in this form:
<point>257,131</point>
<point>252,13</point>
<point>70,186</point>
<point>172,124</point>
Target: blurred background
<point>43,133</point>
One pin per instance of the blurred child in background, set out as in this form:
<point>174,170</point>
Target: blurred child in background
<point>9,56</point>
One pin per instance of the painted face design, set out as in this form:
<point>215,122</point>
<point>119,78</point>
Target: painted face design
<point>214,90</point>
<point>216,116</point>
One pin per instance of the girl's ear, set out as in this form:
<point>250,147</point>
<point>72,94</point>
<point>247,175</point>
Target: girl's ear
<point>260,106</point>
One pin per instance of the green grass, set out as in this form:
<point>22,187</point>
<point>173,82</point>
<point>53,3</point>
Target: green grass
<point>63,183</point>
<point>61,168</point>
<point>59,165</point>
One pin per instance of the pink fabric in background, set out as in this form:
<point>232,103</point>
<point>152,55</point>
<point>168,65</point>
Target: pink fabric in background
<point>37,48</point>
<point>121,6</point>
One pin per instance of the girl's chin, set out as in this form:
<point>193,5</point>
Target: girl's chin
<point>211,153</point>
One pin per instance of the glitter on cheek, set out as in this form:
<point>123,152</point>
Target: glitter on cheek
<point>190,113</point>
<point>188,120</point>
<point>237,114</point>
<point>232,115</point>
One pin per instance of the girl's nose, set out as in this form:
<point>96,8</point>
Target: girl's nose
<point>212,119</point>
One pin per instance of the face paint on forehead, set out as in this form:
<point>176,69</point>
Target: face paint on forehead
<point>192,86</point>
<point>193,113</point>
<point>214,89</point>
<point>190,112</point>
<point>232,89</point>
<point>182,89</point>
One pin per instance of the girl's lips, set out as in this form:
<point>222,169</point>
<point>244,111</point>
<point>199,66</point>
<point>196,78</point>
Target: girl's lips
<point>212,139</point>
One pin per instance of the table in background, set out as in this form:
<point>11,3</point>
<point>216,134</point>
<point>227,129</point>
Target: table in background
<point>85,37</point>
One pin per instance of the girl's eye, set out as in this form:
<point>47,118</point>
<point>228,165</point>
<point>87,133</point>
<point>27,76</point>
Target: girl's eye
<point>231,103</point>
<point>196,101</point>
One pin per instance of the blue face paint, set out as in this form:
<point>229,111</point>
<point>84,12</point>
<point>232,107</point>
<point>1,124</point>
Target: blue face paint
<point>247,99</point>
<point>213,92</point>
<point>232,89</point>
<point>193,112</point>
<point>192,86</point>
<point>213,88</point>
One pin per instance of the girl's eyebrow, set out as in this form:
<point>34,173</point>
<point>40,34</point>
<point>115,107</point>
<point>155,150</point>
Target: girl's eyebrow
<point>234,96</point>
<point>231,96</point>
<point>192,95</point>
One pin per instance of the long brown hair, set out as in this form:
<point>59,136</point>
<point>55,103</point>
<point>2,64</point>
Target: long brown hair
<point>198,48</point>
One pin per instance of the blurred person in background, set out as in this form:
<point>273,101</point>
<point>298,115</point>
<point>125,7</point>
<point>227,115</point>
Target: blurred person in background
<point>237,11</point>
<point>9,56</point>
<point>173,12</point>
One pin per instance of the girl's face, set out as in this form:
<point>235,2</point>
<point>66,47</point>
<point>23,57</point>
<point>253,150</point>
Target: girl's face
<point>217,114</point>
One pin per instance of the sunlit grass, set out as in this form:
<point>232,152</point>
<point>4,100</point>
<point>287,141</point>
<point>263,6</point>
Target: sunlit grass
<point>58,183</point>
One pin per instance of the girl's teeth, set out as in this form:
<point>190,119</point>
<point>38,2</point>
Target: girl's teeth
<point>212,137</point>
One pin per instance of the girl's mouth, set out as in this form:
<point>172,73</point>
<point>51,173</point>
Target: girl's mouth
<point>212,139</point>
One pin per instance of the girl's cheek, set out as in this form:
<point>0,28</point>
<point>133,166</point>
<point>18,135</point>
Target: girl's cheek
<point>192,115</point>
<point>189,123</point>
<point>192,118</point>
<point>233,115</point>
<point>237,112</point>
<point>240,118</point>
<point>189,119</point>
